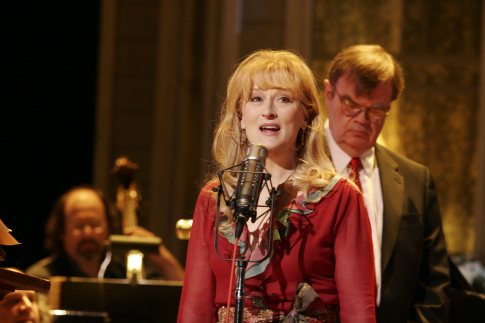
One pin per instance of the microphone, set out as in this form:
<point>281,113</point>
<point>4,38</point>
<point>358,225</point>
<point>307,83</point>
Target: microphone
<point>249,186</point>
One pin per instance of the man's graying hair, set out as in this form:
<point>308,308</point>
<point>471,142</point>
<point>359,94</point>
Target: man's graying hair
<point>367,65</point>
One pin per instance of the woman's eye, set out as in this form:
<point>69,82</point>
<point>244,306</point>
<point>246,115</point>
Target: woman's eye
<point>285,99</point>
<point>256,99</point>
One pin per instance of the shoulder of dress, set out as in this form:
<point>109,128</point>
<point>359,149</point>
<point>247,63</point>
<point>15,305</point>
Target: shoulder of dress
<point>333,184</point>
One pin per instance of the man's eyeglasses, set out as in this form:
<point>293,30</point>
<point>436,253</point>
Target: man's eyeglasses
<point>96,226</point>
<point>351,109</point>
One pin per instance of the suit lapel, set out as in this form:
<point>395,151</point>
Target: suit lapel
<point>392,194</point>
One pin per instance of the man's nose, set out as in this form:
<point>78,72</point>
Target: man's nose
<point>363,116</point>
<point>26,304</point>
<point>88,229</point>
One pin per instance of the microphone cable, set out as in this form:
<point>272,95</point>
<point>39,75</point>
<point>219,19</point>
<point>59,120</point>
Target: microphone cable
<point>231,280</point>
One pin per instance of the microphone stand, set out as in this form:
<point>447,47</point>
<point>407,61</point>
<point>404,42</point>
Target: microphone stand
<point>241,264</point>
<point>239,293</point>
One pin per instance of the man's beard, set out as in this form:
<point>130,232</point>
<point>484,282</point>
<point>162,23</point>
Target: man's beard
<point>89,249</point>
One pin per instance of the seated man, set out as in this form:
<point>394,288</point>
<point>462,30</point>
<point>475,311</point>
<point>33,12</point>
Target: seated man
<point>76,234</point>
<point>19,306</point>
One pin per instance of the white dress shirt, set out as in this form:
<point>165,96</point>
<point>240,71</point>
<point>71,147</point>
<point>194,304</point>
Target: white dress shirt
<point>371,187</point>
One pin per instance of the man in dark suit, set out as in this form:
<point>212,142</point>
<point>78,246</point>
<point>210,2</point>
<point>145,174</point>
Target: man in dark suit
<point>411,261</point>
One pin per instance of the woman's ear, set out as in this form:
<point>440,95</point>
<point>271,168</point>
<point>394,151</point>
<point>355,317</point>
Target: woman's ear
<point>305,123</point>
<point>306,117</point>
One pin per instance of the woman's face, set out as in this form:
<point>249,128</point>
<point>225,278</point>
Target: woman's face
<point>273,118</point>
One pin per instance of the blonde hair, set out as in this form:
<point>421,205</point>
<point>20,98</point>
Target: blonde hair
<point>270,69</point>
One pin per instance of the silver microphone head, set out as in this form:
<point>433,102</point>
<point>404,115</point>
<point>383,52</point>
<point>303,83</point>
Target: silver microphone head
<point>250,180</point>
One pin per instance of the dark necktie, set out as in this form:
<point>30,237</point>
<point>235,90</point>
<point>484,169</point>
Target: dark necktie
<point>355,165</point>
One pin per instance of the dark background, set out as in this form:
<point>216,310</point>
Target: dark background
<point>49,57</point>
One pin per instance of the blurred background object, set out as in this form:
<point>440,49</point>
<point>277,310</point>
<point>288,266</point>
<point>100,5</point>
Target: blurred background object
<point>91,81</point>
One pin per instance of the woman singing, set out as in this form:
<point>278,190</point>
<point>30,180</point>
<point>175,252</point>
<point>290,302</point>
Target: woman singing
<point>321,264</point>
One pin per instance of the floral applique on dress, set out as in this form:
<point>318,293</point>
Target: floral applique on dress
<point>296,214</point>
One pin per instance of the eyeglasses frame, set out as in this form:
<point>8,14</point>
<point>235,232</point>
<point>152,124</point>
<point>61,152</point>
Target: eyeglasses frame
<point>344,102</point>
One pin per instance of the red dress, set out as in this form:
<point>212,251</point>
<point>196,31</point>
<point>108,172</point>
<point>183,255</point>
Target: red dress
<point>327,245</point>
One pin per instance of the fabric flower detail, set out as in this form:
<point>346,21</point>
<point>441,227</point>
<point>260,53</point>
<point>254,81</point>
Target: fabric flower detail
<point>302,207</point>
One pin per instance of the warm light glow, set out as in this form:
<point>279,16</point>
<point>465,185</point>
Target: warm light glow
<point>134,264</point>
<point>183,228</point>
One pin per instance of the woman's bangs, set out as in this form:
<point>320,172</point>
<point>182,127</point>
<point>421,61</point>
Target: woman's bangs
<point>276,79</point>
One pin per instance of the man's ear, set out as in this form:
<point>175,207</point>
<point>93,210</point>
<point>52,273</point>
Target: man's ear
<point>328,90</point>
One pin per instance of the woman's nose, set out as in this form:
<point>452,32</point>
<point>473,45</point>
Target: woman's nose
<point>269,111</point>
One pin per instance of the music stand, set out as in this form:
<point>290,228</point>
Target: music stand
<point>149,301</point>
<point>133,248</point>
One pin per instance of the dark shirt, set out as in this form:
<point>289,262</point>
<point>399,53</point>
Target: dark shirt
<point>61,265</point>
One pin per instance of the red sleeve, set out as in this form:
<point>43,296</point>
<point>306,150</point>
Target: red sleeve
<point>354,268</point>
<point>198,292</point>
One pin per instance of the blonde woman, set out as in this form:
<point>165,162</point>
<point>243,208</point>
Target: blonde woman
<point>323,243</point>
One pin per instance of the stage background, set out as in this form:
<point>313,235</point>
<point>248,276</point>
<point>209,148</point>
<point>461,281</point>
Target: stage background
<point>86,82</point>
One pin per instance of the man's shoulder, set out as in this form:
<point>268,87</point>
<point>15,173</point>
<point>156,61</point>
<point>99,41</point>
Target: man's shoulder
<point>47,267</point>
<point>401,161</point>
<point>44,267</point>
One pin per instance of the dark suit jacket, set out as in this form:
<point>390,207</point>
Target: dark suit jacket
<point>415,272</point>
